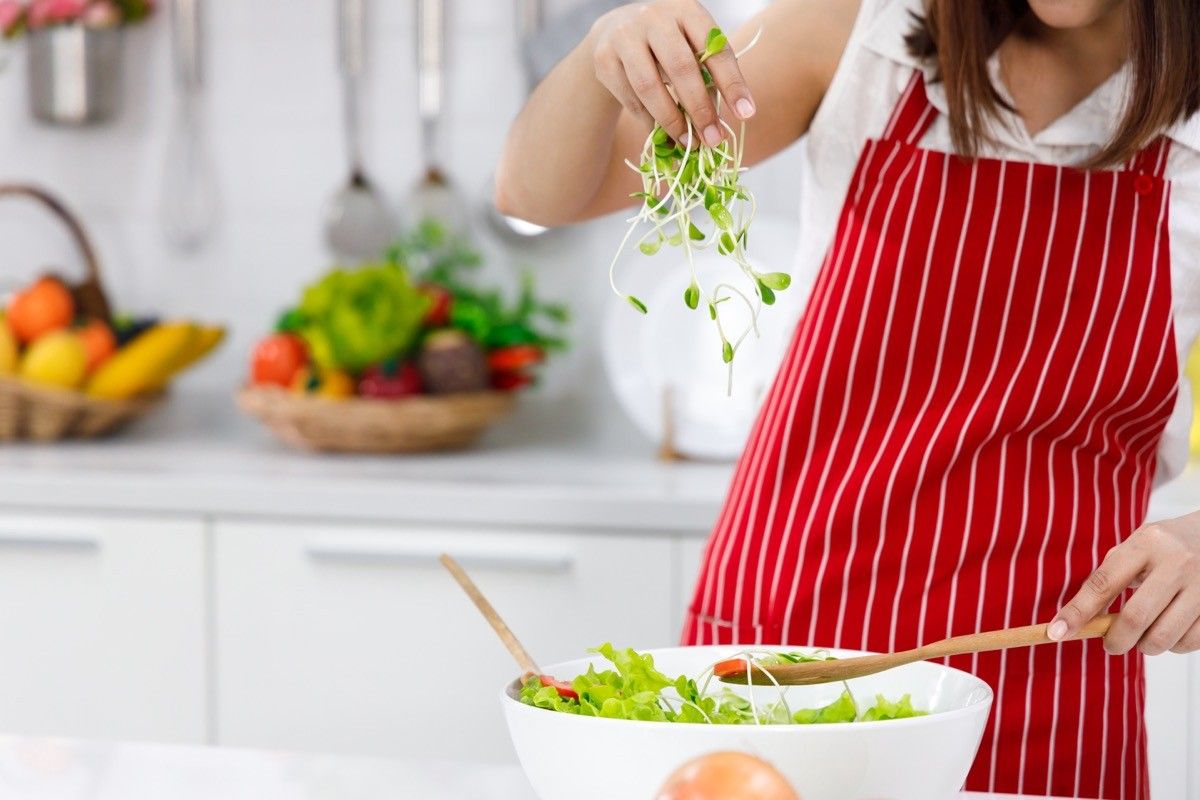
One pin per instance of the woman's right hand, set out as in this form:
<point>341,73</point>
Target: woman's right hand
<point>639,49</point>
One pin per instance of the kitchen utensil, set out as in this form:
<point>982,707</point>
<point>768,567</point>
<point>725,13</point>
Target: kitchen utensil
<point>74,73</point>
<point>511,643</point>
<point>675,350</point>
<point>189,204</point>
<point>434,196</point>
<point>525,661</point>
<point>814,672</point>
<point>358,223</point>
<point>920,758</point>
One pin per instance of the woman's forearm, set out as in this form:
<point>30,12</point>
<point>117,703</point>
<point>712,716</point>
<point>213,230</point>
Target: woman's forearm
<point>560,148</point>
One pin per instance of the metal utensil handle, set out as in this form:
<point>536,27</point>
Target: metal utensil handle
<point>185,30</point>
<point>351,60</point>
<point>431,52</point>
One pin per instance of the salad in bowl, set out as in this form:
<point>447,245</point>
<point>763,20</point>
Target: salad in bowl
<point>624,720</point>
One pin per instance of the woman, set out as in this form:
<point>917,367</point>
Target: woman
<point>986,381</point>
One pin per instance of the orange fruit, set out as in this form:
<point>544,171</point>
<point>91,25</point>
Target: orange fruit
<point>45,306</point>
<point>99,343</point>
<point>727,776</point>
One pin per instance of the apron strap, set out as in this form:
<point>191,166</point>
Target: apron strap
<point>1152,159</point>
<point>913,113</point>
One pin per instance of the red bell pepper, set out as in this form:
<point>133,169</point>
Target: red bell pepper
<point>390,381</point>
<point>515,357</point>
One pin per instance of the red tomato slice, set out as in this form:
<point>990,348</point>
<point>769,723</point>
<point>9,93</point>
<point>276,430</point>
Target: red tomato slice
<point>563,688</point>
<point>730,668</point>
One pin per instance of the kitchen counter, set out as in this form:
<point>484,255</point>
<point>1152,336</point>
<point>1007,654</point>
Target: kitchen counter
<point>58,769</point>
<point>550,465</point>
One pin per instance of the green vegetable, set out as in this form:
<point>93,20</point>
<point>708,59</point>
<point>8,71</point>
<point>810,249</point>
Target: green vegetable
<point>841,710</point>
<point>635,689</point>
<point>688,186</point>
<point>352,318</point>
<point>885,709</point>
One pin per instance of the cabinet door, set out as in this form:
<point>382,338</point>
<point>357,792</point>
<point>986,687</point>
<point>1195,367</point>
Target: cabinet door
<point>357,640</point>
<point>102,627</point>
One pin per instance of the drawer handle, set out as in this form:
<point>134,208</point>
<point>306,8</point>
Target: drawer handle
<point>60,543</point>
<point>400,555</point>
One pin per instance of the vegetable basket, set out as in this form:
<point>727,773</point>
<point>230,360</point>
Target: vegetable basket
<point>29,412</point>
<point>420,423</point>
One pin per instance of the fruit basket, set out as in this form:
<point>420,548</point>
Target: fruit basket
<point>399,356</point>
<point>66,370</point>
<point>366,425</point>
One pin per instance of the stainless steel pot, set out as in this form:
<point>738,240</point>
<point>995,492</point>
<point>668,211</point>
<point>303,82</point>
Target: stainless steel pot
<point>74,74</point>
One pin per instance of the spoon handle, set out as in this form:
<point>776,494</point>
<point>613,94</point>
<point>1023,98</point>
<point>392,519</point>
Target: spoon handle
<point>1010,637</point>
<point>514,646</point>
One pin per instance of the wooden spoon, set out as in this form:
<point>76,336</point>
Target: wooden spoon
<point>525,661</point>
<point>813,672</point>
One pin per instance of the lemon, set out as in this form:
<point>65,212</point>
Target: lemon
<point>56,359</point>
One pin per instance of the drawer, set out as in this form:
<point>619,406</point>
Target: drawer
<point>103,627</point>
<point>357,640</point>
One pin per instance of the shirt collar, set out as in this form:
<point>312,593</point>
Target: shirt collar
<point>1090,124</point>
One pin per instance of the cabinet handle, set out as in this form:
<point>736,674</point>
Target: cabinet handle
<point>499,559</point>
<point>54,542</point>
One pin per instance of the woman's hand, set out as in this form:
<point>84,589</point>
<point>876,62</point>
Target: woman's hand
<point>1163,561</point>
<point>638,49</point>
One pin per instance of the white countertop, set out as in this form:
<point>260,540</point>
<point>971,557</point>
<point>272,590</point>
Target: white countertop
<point>59,769</point>
<point>550,465</point>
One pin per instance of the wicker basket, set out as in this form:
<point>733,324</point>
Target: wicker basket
<point>364,425</point>
<point>46,414</point>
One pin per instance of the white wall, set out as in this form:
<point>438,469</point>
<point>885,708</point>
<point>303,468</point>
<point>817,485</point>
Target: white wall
<point>274,131</point>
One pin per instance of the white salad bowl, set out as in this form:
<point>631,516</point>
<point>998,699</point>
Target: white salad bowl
<point>571,757</point>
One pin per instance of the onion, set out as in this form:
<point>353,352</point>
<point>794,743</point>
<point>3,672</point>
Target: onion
<point>727,776</point>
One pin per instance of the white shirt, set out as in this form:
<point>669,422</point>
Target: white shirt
<point>875,68</point>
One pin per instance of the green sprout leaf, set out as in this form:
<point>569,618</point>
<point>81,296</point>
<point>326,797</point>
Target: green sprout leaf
<point>768,296</point>
<point>721,216</point>
<point>725,245</point>
<point>726,352</point>
<point>691,296</point>
<point>715,43</point>
<point>636,303</point>
<point>712,311</point>
<point>776,280</point>
<point>660,136</point>
<point>651,247</point>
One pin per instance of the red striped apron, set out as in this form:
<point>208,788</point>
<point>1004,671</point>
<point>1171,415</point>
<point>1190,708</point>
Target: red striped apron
<point>966,421</point>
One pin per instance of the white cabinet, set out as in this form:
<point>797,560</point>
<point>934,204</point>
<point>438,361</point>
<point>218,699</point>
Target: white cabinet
<point>102,627</point>
<point>1172,720</point>
<point>352,639</point>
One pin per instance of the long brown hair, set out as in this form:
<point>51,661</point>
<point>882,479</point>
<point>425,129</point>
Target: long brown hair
<point>1164,53</point>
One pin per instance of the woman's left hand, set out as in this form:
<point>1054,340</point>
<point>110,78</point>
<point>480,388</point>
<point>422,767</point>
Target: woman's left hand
<point>1162,561</point>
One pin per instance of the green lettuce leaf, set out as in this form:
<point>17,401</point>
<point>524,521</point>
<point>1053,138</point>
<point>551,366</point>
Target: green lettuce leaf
<point>841,710</point>
<point>887,709</point>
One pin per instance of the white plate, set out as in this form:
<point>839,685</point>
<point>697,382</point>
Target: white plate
<point>674,346</point>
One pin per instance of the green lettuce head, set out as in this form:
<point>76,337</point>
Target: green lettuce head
<point>353,318</point>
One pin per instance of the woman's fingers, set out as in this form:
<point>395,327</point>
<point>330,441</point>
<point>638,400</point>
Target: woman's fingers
<point>1168,631</point>
<point>646,82</point>
<point>723,66</point>
<point>1190,641</point>
<point>674,54</point>
<point>610,70</point>
<point>1120,567</point>
<point>1140,612</point>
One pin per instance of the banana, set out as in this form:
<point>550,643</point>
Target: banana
<point>146,363</point>
<point>206,340</point>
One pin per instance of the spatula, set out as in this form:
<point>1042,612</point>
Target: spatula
<point>529,667</point>
<point>813,672</point>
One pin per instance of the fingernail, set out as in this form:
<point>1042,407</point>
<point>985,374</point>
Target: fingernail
<point>1057,630</point>
<point>745,108</point>
<point>712,135</point>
